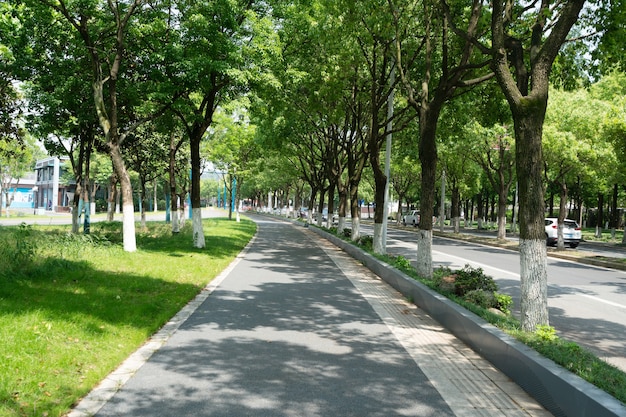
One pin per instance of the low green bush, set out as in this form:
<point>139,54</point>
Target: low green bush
<point>366,241</point>
<point>472,279</point>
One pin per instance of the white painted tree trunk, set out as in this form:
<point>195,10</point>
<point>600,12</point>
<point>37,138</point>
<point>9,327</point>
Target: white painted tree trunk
<point>342,225</point>
<point>424,253</point>
<point>560,243</point>
<point>534,284</point>
<point>181,216</point>
<point>501,227</point>
<point>198,231</point>
<point>175,224</point>
<point>128,227</point>
<point>356,226</point>
<point>379,245</point>
<point>456,224</point>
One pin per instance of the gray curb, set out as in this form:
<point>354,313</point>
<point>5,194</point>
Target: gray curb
<point>558,390</point>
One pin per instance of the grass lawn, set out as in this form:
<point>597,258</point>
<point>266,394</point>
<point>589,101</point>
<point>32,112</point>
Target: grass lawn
<point>72,307</point>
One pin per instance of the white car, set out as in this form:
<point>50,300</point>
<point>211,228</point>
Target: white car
<point>571,232</point>
<point>412,218</point>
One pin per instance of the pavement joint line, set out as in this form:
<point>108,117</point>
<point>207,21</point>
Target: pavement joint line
<point>421,335</point>
<point>90,404</point>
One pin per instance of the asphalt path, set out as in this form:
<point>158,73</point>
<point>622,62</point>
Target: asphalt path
<point>587,304</point>
<point>285,334</point>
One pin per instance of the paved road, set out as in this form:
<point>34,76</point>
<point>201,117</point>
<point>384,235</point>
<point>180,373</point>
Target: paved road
<point>298,328</point>
<point>587,304</point>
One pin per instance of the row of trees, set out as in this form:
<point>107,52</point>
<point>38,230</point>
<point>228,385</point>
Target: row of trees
<point>311,89</point>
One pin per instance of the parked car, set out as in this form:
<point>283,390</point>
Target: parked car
<point>412,218</point>
<point>325,216</point>
<point>571,232</point>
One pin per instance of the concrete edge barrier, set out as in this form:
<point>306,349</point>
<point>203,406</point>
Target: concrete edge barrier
<point>558,390</point>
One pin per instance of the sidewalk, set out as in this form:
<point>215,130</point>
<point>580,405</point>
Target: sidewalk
<point>298,328</point>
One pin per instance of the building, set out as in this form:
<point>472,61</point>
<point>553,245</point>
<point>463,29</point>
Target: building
<point>49,192</point>
<point>21,192</point>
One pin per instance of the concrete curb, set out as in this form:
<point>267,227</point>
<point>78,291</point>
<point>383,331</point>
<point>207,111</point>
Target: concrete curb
<point>558,390</point>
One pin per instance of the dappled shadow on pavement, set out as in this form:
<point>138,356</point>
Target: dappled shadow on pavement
<point>286,334</point>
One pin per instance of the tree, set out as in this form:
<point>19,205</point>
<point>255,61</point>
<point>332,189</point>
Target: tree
<point>436,55</point>
<point>10,104</point>
<point>103,33</point>
<point>220,43</point>
<point>16,158</point>
<point>231,145</point>
<point>319,112</point>
<point>525,42</point>
<point>493,151</point>
<point>573,143</point>
<point>609,24</point>
<point>147,155</point>
<point>612,88</point>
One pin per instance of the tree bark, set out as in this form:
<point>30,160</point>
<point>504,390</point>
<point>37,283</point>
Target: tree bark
<point>527,95</point>
<point>429,114</point>
<point>354,209</point>
<point>560,243</point>
<point>455,209</point>
<point>128,208</point>
<point>196,208</point>
<point>600,215</point>
<point>533,257</point>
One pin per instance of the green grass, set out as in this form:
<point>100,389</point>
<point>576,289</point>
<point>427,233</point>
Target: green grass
<point>589,235</point>
<point>73,307</point>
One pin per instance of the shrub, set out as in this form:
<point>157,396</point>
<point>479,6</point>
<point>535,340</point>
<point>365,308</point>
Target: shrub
<point>367,242</point>
<point>443,280</point>
<point>481,298</point>
<point>347,232</point>
<point>402,263</point>
<point>503,302</point>
<point>469,279</point>
<point>546,333</point>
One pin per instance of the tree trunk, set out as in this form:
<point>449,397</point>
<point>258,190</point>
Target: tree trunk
<point>455,209</point>
<point>533,257</point>
<point>354,210</point>
<point>76,206</point>
<point>614,212</point>
<point>502,200</point>
<point>126,189</point>
<point>112,197</point>
<point>196,208</point>
<point>320,207</point>
<point>331,204</point>
<point>600,213</point>
<point>429,114</point>
<point>560,243</point>
<point>143,200</point>
<point>343,202</point>
<point>480,210</point>
<point>172,185</point>
<point>380,181</point>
